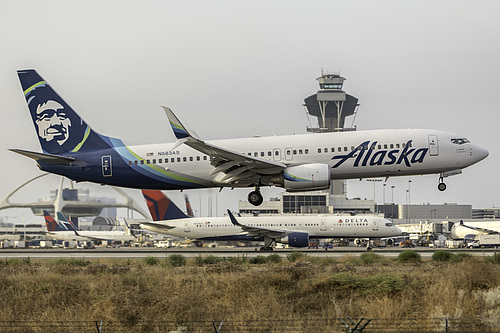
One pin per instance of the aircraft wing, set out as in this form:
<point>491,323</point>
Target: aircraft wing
<point>258,232</point>
<point>157,225</point>
<point>92,238</point>
<point>236,166</point>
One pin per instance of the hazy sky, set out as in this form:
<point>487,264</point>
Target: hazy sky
<point>243,68</point>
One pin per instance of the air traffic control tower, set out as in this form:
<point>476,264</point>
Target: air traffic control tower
<point>331,105</point>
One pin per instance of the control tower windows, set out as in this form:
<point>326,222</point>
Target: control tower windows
<point>330,86</point>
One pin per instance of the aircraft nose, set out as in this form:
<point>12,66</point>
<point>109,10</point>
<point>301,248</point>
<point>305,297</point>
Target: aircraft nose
<point>398,231</point>
<point>480,153</point>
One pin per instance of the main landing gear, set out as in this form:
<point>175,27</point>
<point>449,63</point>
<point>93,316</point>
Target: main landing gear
<point>441,185</point>
<point>267,244</point>
<point>255,197</point>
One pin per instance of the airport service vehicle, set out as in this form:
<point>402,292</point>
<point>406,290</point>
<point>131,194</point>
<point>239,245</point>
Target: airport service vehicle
<point>293,230</point>
<point>485,240</point>
<point>70,147</point>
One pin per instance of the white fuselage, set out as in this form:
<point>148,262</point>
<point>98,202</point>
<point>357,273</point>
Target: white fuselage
<point>384,154</point>
<point>460,231</point>
<point>91,235</point>
<point>322,226</point>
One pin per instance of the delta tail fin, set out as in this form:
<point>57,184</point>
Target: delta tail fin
<point>59,128</point>
<point>161,207</point>
<point>51,223</point>
<point>189,210</point>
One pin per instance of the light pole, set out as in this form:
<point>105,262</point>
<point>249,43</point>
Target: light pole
<point>409,200</point>
<point>384,199</point>
<point>392,203</point>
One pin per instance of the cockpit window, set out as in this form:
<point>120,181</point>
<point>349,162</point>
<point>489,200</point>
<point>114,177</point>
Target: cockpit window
<point>460,141</point>
<point>388,224</point>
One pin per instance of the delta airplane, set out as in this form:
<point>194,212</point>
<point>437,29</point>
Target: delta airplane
<point>70,147</point>
<point>292,230</point>
<point>63,229</point>
<point>461,230</point>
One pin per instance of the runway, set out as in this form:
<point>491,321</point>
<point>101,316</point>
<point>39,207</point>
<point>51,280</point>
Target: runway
<point>139,253</point>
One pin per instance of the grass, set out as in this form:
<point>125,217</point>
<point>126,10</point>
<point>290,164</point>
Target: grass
<point>179,289</point>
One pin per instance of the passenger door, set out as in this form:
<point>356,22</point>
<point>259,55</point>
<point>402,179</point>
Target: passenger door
<point>433,145</point>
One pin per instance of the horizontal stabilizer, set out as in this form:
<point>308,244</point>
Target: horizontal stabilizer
<point>55,159</point>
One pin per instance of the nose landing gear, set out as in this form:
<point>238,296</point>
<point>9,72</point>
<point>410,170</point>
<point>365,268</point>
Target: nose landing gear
<point>441,185</point>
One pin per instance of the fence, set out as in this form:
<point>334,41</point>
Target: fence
<point>414,325</point>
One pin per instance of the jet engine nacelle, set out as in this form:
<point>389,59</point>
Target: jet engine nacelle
<point>296,239</point>
<point>307,177</point>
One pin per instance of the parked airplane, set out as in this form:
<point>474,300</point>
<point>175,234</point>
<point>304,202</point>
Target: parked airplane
<point>292,230</point>
<point>294,162</point>
<point>63,229</point>
<point>461,230</point>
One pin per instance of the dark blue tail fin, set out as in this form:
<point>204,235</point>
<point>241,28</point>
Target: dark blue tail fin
<point>60,129</point>
<point>161,207</point>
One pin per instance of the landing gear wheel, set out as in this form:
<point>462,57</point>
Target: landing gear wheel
<point>441,187</point>
<point>255,198</point>
<point>266,249</point>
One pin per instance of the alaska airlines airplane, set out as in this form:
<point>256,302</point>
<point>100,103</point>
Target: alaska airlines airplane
<point>292,230</point>
<point>294,162</point>
<point>63,229</point>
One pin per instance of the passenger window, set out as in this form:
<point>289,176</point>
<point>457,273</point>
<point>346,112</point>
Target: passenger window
<point>142,161</point>
<point>306,151</point>
<point>385,146</point>
<point>397,145</point>
<point>197,158</point>
<point>269,153</point>
<point>295,152</point>
<point>184,159</point>
<point>277,152</point>
<point>319,150</point>
<point>129,162</point>
<point>326,150</point>
<point>191,158</point>
<point>135,162</point>
<point>178,159</point>
<point>300,151</point>
<point>172,160</point>
<point>391,145</point>
<point>255,154</point>
<point>205,157</point>
<point>345,148</point>
<point>154,161</point>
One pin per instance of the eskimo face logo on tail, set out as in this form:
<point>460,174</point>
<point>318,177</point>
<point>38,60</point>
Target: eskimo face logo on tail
<point>52,122</point>
<point>366,155</point>
<point>58,127</point>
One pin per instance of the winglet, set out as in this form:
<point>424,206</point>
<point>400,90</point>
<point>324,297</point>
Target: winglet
<point>233,219</point>
<point>180,131</point>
